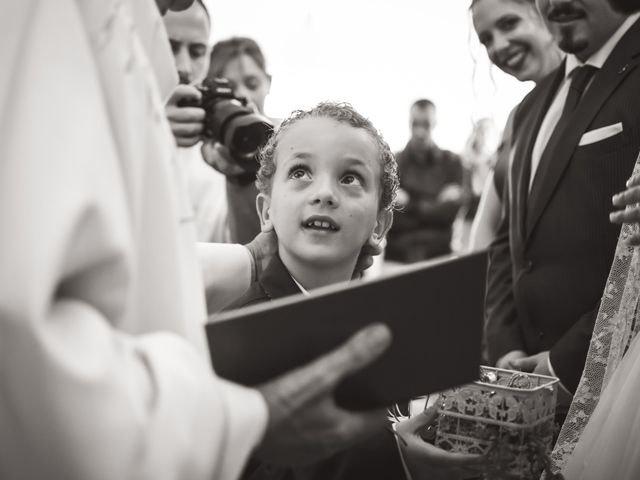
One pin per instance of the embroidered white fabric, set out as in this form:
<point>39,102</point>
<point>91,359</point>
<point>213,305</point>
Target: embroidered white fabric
<point>615,327</point>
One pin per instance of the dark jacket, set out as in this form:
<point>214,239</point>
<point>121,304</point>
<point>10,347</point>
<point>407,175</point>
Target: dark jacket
<point>422,229</point>
<point>375,459</point>
<point>551,258</point>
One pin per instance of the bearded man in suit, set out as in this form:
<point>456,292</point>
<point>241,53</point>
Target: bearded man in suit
<point>576,140</point>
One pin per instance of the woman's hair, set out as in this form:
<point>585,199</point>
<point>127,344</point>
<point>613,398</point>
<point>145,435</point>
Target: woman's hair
<point>226,50</point>
<point>343,113</point>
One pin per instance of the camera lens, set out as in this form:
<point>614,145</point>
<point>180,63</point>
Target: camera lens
<point>247,135</point>
<point>231,123</point>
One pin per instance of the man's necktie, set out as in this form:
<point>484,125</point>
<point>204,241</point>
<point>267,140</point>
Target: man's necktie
<point>580,78</point>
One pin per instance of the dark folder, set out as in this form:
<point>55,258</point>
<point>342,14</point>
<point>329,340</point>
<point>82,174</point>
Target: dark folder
<point>434,311</point>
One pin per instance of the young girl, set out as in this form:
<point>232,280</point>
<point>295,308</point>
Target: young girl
<point>327,184</point>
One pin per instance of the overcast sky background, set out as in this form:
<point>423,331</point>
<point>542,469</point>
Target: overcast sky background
<point>379,55</point>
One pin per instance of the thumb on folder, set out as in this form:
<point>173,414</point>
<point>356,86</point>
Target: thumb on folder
<point>305,425</point>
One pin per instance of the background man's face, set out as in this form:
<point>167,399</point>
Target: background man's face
<point>188,33</point>
<point>580,27</point>
<point>422,122</point>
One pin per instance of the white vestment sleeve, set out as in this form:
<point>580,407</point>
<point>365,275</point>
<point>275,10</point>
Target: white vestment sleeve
<point>226,270</point>
<point>103,366</point>
<point>207,189</point>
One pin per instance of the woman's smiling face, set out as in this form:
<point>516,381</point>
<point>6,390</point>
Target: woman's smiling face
<point>515,37</point>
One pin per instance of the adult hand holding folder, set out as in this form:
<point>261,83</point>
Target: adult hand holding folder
<point>305,424</point>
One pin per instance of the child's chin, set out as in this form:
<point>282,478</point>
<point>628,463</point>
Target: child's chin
<point>323,254</point>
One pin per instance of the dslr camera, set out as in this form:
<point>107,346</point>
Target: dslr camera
<point>230,122</point>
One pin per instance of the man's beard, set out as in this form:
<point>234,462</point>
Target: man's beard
<point>568,43</point>
<point>560,13</point>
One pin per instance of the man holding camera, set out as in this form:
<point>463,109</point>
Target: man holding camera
<point>221,189</point>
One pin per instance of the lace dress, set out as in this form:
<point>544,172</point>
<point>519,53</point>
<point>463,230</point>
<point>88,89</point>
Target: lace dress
<point>600,438</point>
<point>610,443</point>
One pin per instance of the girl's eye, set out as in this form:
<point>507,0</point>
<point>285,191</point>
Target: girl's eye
<point>352,179</point>
<point>298,173</point>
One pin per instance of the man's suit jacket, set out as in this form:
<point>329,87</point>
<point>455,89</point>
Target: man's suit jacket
<point>550,260</point>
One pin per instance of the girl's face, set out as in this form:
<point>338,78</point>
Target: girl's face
<point>515,37</point>
<point>325,193</point>
<point>248,80</point>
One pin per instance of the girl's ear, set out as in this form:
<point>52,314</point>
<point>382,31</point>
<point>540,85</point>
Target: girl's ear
<point>263,203</point>
<point>383,224</point>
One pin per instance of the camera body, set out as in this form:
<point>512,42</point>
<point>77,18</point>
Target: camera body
<point>230,122</point>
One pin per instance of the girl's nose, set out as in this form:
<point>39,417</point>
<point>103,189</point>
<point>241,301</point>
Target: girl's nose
<point>324,194</point>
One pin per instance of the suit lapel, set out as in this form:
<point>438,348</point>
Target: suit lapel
<point>619,64</point>
<point>525,138</point>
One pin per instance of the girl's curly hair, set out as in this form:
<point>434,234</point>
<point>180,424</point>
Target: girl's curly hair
<point>344,113</point>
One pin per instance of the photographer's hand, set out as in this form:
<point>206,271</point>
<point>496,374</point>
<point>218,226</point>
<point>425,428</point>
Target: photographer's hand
<point>186,122</point>
<point>219,157</point>
<point>305,425</point>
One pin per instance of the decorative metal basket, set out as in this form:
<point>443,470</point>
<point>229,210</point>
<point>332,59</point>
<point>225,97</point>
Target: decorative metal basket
<point>506,415</point>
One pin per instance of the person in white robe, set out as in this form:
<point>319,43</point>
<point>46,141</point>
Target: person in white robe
<point>104,365</point>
